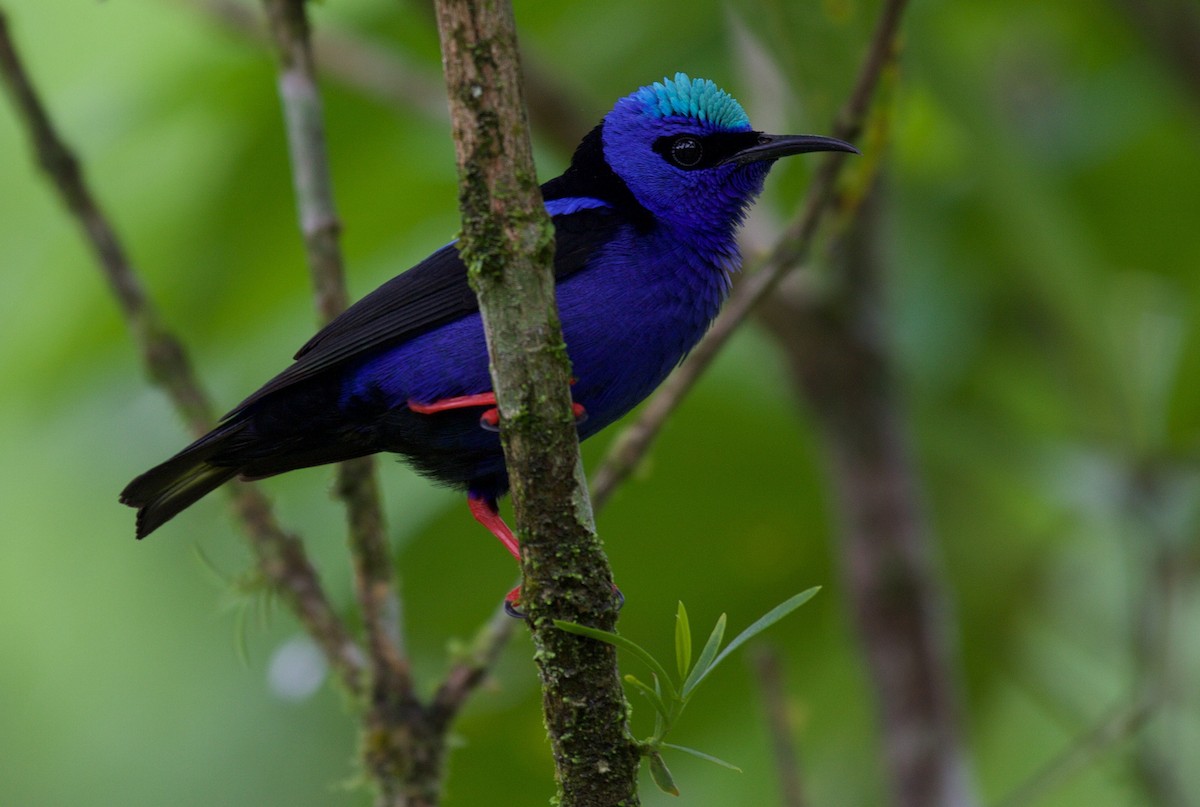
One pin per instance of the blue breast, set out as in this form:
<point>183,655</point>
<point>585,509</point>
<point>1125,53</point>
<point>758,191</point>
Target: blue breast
<point>641,304</point>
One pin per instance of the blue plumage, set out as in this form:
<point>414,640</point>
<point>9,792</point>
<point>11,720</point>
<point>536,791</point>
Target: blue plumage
<point>645,220</point>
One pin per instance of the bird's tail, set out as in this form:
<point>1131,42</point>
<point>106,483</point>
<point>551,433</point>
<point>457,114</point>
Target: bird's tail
<point>166,489</point>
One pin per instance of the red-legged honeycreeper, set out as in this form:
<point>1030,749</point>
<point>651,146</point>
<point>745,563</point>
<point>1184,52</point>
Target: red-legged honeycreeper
<point>645,219</point>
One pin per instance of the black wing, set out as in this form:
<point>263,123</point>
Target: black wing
<point>432,293</point>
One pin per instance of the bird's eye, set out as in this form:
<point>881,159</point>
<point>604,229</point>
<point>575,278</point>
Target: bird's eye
<point>686,152</point>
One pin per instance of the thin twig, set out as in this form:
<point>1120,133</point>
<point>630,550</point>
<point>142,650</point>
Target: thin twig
<point>466,674</point>
<point>769,670</point>
<point>1171,29</point>
<point>281,556</point>
<point>838,358</point>
<point>1119,725</point>
<point>357,483</point>
<point>386,76</point>
<point>635,440</point>
<point>1157,592</point>
<point>381,73</point>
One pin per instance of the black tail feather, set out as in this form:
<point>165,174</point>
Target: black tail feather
<point>165,490</point>
<point>235,448</point>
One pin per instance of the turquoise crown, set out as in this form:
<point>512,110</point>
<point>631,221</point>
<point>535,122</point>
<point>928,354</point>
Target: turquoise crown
<point>696,98</point>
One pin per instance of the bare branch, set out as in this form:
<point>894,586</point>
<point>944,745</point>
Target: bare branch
<point>281,556</point>
<point>357,484</point>
<point>385,75</point>
<point>769,670</point>
<point>1171,28</point>
<point>1119,725</point>
<point>507,244</point>
<point>635,440</point>
<point>354,61</point>
<point>468,673</point>
<point>1159,581</point>
<point>840,364</point>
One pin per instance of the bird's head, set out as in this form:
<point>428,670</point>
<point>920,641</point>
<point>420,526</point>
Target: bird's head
<point>688,154</point>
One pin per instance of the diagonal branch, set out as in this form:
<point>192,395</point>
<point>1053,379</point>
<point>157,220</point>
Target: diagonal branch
<point>466,674</point>
<point>375,71</point>
<point>1171,29</point>
<point>635,440</point>
<point>769,671</point>
<point>281,556</point>
<point>389,78</point>
<point>357,483</point>
<point>1117,726</point>
<point>841,367</point>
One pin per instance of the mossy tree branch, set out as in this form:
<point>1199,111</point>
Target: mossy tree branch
<point>507,243</point>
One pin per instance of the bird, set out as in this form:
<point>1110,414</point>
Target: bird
<point>645,220</point>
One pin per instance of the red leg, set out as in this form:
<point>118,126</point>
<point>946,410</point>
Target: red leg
<point>446,404</point>
<point>487,514</point>
<point>485,511</point>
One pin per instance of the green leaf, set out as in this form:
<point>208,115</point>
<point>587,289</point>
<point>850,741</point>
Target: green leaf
<point>706,656</point>
<point>661,775</point>
<point>765,621</point>
<point>223,580</point>
<point>241,643</point>
<point>702,755</point>
<point>683,642</point>
<point>616,640</point>
<point>661,721</point>
<point>651,695</point>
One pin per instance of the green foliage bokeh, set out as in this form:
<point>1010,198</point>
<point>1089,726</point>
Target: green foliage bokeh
<point>1042,308</point>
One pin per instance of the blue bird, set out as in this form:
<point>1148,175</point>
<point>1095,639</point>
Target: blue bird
<point>645,219</point>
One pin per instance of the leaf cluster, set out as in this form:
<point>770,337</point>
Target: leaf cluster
<point>670,695</point>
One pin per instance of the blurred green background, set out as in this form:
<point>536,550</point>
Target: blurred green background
<point>1043,239</point>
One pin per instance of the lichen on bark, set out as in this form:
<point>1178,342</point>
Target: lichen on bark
<point>507,244</point>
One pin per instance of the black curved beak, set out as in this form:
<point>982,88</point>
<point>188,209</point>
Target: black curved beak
<point>772,147</point>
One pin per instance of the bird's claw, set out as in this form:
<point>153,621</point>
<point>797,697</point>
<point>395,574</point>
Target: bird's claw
<point>490,419</point>
<point>513,599</point>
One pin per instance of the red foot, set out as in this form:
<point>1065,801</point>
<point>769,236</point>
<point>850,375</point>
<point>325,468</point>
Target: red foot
<point>486,512</point>
<point>490,419</point>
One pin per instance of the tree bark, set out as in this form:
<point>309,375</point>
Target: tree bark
<point>508,246</point>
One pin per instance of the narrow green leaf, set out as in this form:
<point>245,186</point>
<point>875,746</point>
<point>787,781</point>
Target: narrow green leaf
<point>206,563</point>
<point>765,621</point>
<point>706,656</point>
<point>654,697</point>
<point>683,642</point>
<point>661,775</point>
<point>661,721</point>
<point>702,755</point>
<point>241,643</point>
<point>617,640</point>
